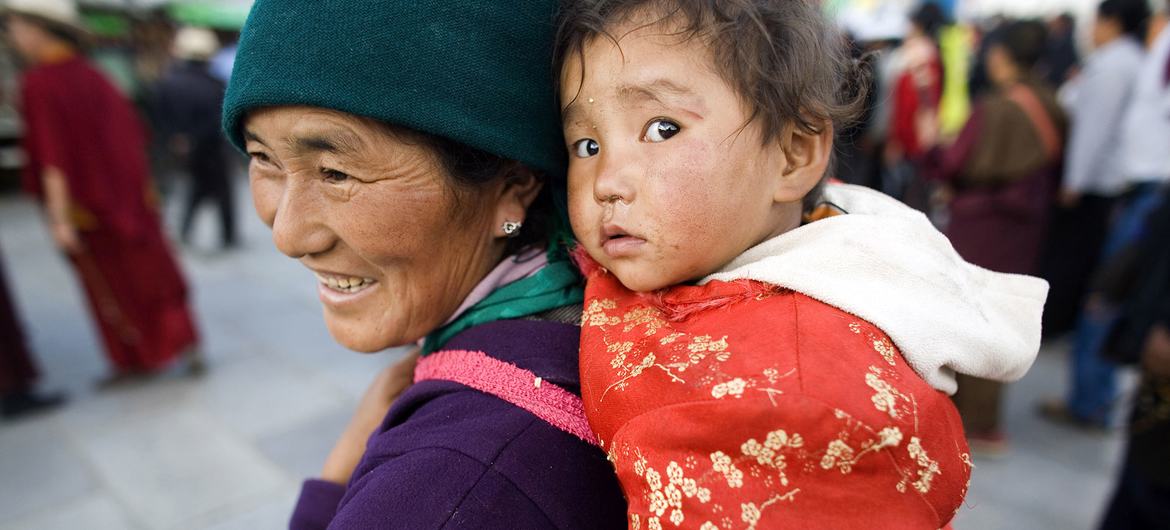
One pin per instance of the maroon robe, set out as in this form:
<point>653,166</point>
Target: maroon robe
<point>77,121</point>
<point>1004,178</point>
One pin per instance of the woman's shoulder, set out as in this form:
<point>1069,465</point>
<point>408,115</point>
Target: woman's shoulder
<point>474,460</point>
<point>442,412</point>
<point>473,454</point>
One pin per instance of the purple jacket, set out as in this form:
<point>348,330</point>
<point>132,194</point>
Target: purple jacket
<point>448,456</point>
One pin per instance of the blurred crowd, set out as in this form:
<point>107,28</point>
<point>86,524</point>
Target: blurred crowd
<point>1036,158</point>
<point>1038,147</point>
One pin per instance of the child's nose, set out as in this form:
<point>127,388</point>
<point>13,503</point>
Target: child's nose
<point>617,180</point>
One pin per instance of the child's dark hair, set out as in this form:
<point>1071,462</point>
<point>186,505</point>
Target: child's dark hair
<point>783,57</point>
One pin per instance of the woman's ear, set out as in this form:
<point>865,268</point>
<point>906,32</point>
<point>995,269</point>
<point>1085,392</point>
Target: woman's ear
<point>520,188</point>
<point>807,156</point>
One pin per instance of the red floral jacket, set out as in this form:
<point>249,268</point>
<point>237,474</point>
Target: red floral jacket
<point>743,405</point>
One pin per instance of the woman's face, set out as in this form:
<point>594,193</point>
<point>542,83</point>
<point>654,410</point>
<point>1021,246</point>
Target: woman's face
<point>1000,67</point>
<point>375,217</point>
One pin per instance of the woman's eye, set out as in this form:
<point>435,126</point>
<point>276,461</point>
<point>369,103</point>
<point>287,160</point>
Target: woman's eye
<point>660,131</point>
<point>333,175</point>
<point>260,157</point>
<point>585,148</point>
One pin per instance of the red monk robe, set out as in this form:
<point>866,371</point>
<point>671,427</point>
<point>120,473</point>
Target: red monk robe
<point>744,405</point>
<point>77,122</point>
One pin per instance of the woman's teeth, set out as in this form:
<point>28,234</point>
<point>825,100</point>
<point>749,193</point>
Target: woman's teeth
<point>345,285</point>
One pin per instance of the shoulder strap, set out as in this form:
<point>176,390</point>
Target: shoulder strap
<point>1040,119</point>
<point>522,388</point>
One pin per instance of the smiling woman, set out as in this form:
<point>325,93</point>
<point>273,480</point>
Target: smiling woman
<point>369,212</point>
<point>417,176</point>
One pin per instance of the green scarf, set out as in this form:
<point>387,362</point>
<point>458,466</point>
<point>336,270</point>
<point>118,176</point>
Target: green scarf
<point>558,284</point>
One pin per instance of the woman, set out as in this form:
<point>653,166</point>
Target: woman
<point>87,162</point>
<point>407,154</point>
<point>1002,168</point>
<point>916,92</point>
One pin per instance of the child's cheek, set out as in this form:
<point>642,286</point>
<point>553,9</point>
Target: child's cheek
<point>681,184</point>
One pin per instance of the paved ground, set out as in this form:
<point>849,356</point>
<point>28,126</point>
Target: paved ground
<point>229,450</point>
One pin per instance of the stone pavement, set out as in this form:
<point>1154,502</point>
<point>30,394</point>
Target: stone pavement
<point>229,450</point>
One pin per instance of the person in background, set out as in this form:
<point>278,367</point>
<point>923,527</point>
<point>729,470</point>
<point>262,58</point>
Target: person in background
<point>1096,101</point>
<point>917,90</point>
<point>1121,116</point>
<point>978,83</point>
<point>1141,500</point>
<point>18,372</point>
<point>87,163</point>
<point>225,59</point>
<point>1060,56</point>
<point>1002,170</point>
<point>189,100</point>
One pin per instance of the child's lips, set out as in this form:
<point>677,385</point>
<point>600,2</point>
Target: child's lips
<point>617,243</point>
<point>623,246</point>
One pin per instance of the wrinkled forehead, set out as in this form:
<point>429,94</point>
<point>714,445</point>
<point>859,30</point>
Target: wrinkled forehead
<point>303,128</point>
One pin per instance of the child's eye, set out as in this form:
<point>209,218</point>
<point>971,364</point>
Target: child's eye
<point>585,148</point>
<point>660,130</point>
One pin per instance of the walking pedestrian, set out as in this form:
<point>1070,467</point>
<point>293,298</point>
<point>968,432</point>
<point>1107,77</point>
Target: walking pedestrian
<point>190,99</point>
<point>87,163</point>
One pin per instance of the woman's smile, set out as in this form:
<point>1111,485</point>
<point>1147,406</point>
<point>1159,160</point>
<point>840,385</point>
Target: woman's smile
<point>343,283</point>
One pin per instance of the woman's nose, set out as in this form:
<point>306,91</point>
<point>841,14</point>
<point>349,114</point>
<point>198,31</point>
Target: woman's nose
<point>299,226</point>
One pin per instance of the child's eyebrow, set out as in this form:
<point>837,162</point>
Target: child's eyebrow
<point>651,91</point>
<point>660,87</point>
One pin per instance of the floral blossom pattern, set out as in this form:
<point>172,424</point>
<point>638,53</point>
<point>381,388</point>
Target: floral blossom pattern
<point>725,417</point>
<point>668,497</point>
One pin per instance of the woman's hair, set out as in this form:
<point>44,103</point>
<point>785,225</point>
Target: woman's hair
<point>1133,15</point>
<point>469,170</point>
<point>1024,41</point>
<point>930,19</point>
<point>785,60</point>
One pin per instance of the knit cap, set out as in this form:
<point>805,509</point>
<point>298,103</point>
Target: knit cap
<point>474,71</point>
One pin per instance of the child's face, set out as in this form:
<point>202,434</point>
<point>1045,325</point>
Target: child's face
<point>666,183</point>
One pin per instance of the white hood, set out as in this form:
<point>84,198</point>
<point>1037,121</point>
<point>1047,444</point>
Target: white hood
<point>885,263</point>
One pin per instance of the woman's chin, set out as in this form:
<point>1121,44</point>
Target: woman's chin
<point>363,337</point>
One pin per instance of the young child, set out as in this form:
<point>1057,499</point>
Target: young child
<point>758,349</point>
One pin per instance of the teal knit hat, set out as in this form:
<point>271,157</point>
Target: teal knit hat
<point>473,71</point>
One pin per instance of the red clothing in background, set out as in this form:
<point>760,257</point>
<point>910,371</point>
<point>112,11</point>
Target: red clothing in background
<point>76,121</point>
<point>745,405</point>
<point>916,97</point>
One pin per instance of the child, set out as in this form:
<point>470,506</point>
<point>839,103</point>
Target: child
<point>736,354</point>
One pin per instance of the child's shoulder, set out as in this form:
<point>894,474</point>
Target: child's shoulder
<point>837,350</point>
